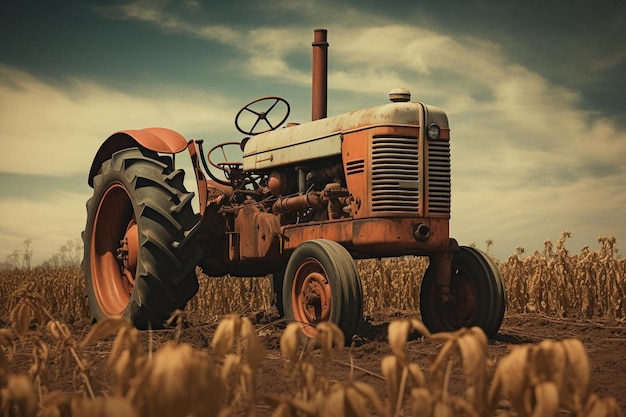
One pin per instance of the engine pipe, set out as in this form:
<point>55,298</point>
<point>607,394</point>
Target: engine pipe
<point>298,203</point>
<point>320,75</point>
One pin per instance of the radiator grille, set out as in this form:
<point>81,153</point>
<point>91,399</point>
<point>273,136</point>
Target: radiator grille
<point>395,174</point>
<point>438,176</point>
<point>355,167</point>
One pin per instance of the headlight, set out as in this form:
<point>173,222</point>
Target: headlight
<point>432,131</point>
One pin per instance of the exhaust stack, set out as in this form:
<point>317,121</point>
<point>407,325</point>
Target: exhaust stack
<point>320,75</point>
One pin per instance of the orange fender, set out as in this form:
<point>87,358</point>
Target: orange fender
<point>156,139</point>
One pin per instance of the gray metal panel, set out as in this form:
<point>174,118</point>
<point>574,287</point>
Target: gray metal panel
<point>321,147</point>
<point>436,115</point>
<point>321,138</point>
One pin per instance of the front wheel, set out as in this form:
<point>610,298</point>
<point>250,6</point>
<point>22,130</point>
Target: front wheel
<point>476,296</point>
<point>321,283</point>
<point>140,248</point>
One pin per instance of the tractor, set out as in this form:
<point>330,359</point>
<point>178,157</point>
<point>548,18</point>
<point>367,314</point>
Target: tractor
<point>299,203</point>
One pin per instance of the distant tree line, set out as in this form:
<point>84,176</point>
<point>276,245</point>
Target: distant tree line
<point>19,259</point>
<point>68,255</point>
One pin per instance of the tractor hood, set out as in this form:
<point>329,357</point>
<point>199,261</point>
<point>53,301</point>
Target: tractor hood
<point>322,138</point>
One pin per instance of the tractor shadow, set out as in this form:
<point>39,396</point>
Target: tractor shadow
<point>371,331</point>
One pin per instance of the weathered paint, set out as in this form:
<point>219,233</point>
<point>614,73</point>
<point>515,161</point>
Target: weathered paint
<point>156,139</point>
<point>371,237</point>
<point>255,235</point>
<point>319,80</point>
<point>358,160</point>
<point>201,180</point>
<point>322,138</point>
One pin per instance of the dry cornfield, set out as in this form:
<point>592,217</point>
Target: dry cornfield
<point>387,283</point>
<point>62,290</point>
<point>116,370</point>
<point>177,379</point>
<point>554,281</point>
<point>589,284</point>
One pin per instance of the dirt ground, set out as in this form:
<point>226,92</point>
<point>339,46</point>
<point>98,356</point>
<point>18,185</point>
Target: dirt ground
<point>604,341</point>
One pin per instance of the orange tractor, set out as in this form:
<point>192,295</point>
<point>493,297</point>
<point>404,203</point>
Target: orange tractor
<point>300,204</point>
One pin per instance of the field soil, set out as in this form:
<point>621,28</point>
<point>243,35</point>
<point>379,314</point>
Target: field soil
<point>605,342</point>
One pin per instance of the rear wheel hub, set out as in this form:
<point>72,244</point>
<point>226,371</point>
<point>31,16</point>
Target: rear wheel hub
<point>128,252</point>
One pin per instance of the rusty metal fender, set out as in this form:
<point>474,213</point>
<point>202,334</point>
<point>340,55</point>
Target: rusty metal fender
<point>156,139</point>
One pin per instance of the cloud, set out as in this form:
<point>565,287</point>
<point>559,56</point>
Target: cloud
<point>262,50</point>
<point>54,129</point>
<point>49,223</point>
<point>160,13</point>
<point>528,160</point>
<point>538,130</point>
<point>526,216</point>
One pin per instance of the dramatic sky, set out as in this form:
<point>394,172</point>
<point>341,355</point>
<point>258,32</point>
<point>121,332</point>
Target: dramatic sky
<point>534,91</point>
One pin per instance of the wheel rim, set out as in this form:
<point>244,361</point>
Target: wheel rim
<point>311,296</point>
<point>461,308</point>
<point>128,253</point>
<point>114,250</point>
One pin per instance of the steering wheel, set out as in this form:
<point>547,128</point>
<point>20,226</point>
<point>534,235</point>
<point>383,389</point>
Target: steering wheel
<point>225,165</point>
<point>260,112</point>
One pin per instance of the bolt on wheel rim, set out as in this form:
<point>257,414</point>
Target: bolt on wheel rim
<point>311,296</point>
<point>127,253</point>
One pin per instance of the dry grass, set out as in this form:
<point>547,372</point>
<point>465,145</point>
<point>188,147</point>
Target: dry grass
<point>62,290</point>
<point>219,296</point>
<point>590,284</point>
<point>178,380</point>
<point>532,380</point>
<point>555,281</point>
<point>392,283</point>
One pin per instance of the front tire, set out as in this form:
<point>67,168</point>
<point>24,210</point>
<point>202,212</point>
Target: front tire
<point>477,296</point>
<point>140,249</point>
<point>321,283</point>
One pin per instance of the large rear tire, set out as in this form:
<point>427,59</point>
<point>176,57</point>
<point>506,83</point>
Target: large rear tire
<point>140,249</point>
<point>321,283</point>
<point>476,298</point>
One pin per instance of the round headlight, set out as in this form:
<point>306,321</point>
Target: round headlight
<point>433,131</point>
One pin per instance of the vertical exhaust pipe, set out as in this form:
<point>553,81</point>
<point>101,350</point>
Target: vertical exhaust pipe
<point>320,75</point>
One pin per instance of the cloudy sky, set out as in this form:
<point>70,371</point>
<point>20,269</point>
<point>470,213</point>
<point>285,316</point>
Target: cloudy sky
<point>534,91</point>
